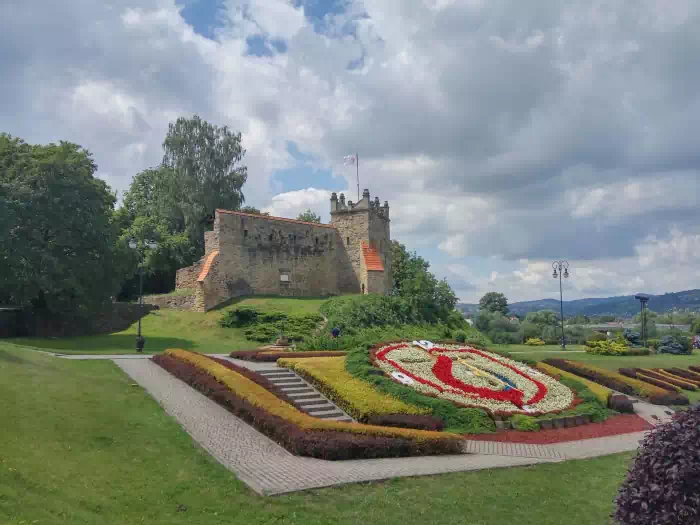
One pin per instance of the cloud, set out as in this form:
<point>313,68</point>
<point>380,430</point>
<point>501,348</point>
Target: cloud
<point>498,131</point>
<point>292,203</point>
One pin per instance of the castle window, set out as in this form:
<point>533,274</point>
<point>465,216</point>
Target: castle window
<point>284,278</point>
<point>245,234</point>
<point>316,241</point>
<point>295,238</point>
<point>269,237</point>
<point>347,239</point>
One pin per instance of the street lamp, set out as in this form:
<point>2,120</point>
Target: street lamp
<point>141,247</point>
<point>561,269</point>
<point>643,313</point>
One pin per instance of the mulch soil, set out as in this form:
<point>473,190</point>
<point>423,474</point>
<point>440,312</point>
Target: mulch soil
<point>622,424</point>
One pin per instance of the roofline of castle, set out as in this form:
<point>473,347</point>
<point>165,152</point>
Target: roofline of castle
<point>271,218</point>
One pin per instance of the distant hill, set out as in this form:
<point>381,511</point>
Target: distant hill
<point>624,306</point>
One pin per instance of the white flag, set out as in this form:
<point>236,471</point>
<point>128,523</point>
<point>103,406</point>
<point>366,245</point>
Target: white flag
<point>349,160</point>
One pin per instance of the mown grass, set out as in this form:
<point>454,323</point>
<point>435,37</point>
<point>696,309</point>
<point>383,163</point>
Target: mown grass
<point>167,328</point>
<point>82,445</point>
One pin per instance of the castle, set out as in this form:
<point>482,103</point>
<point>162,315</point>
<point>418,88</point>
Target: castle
<point>248,254</point>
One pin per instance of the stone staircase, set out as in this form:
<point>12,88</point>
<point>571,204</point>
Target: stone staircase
<point>305,397</point>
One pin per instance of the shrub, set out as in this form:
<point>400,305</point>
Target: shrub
<point>619,382</point>
<point>595,337</point>
<point>354,396</point>
<point>653,343</point>
<point>601,392</point>
<point>423,422</point>
<point>460,337</point>
<point>613,348</point>
<point>662,486</point>
<point>678,381</point>
<point>534,341</point>
<point>622,404</point>
<point>687,374</point>
<point>241,316</point>
<point>634,373</point>
<point>300,433</point>
<point>271,357</point>
<point>524,423</point>
<point>677,345</point>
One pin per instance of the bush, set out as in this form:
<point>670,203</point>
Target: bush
<point>622,404</point>
<point>602,393</point>
<point>408,421</point>
<point>636,374</point>
<point>678,345</point>
<point>534,341</point>
<point>460,337</point>
<point>241,316</point>
<point>595,337</point>
<point>613,348</point>
<point>654,343</point>
<point>524,423</point>
<point>662,486</point>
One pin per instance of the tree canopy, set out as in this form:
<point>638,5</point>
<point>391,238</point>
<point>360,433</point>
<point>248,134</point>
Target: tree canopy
<point>494,302</point>
<point>309,216</point>
<point>59,248</point>
<point>423,292</point>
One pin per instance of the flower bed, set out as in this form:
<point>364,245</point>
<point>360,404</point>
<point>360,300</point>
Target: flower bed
<point>619,382</point>
<point>271,356</point>
<point>622,424</point>
<point>474,378</point>
<point>296,431</point>
<point>356,397</point>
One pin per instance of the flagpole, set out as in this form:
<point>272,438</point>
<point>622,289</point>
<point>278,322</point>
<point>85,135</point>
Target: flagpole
<point>357,165</point>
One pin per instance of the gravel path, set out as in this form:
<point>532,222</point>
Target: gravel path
<point>268,469</point>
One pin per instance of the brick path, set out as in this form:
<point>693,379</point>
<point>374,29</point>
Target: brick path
<point>269,469</point>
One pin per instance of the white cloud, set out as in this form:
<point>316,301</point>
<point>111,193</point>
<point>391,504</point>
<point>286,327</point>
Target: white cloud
<point>292,203</point>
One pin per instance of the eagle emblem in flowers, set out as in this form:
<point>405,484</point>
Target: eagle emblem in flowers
<point>473,377</point>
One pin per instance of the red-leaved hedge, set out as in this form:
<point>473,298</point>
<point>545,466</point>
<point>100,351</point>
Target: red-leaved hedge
<point>420,422</point>
<point>329,445</point>
<point>271,357</point>
<point>631,372</point>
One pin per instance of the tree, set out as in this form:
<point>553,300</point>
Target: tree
<point>695,328</point>
<point>204,172</point>
<point>309,216</point>
<point>59,251</point>
<point>494,302</point>
<point>543,318</point>
<point>432,299</point>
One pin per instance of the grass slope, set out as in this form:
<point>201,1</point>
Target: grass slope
<point>177,329</point>
<point>81,445</point>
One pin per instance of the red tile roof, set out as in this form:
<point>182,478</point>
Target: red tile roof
<point>373,262</point>
<point>256,216</point>
<point>207,266</point>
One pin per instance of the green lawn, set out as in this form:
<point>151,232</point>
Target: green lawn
<point>177,329</point>
<point>80,444</point>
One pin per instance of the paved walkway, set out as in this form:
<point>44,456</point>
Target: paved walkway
<point>269,469</point>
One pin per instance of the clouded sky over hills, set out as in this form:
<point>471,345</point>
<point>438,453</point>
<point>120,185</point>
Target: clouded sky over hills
<point>503,133</point>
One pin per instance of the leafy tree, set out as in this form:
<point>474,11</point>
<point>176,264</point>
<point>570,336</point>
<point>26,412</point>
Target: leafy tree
<point>204,172</point>
<point>494,302</point>
<point>253,210</point>
<point>543,318</point>
<point>309,216</point>
<point>59,251</point>
<point>695,327</point>
<point>431,298</point>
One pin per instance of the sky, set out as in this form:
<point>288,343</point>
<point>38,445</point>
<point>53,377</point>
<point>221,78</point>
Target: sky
<point>504,134</point>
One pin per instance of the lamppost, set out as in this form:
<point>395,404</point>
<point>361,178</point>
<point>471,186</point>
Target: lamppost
<point>561,269</point>
<point>643,313</point>
<point>141,247</point>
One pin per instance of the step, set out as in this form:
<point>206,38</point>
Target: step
<point>290,381</point>
<point>327,414</point>
<point>312,402</point>
<point>275,371</point>
<point>322,409</point>
<point>297,389</point>
<point>295,396</point>
<point>342,419</point>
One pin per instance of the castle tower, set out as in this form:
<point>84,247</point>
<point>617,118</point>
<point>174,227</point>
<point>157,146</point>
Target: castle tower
<point>363,227</point>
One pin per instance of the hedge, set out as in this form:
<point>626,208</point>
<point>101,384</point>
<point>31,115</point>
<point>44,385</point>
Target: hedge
<point>300,433</point>
<point>619,382</point>
<point>423,422</point>
<point>356,397</point>
<point>686,374</point>
<point>602,393</point>
<point>678,381</point>
<point>636,374</point>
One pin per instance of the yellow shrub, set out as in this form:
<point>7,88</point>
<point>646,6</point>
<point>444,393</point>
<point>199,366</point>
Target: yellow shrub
<point>356,397</point>
<point>260,397</point>
<point>655,381</point>
<point>603,393</point>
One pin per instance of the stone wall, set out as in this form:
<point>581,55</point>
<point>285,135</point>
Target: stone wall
<point>187,277</point>
<point>176,302</point>
<point>352,229</point>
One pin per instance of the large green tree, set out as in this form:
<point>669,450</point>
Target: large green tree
<point>431,298</point>
<point>204,172</point>
<point>59,248</point>
<point>494,302</point>
<point>309,216</point>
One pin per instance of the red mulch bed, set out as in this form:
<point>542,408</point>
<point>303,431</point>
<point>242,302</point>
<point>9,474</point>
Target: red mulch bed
<point>622,424</point>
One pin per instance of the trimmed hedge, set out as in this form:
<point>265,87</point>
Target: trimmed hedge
<point>686,374</point>
<point>619,382</point>
<point>298,432</point>
<point>262,356</point>
<point>602,393</point>
<point>356,397</point>
<point>423,422</point>
<point>678,381</point>
<point>694,368</point>
<point>622,404</point>
<point>634,373</point>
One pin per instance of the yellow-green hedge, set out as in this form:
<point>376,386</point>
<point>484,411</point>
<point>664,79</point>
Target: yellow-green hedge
<point>260,397</point>
<point>358,398</point>
<point>603,393</point>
